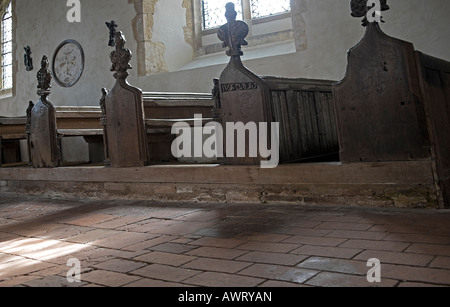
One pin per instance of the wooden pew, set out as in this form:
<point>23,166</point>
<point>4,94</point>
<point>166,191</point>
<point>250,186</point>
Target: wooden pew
<point>12,130</point>
<point>303,108</point>
<point>82,121</point>
<point>162,111</point>
<point>393,105</point>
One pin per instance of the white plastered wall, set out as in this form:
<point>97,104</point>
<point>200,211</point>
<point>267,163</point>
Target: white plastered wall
<point>330,30</point>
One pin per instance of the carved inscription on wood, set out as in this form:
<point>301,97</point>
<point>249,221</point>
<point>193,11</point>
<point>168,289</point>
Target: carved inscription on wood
<point>244,86</point>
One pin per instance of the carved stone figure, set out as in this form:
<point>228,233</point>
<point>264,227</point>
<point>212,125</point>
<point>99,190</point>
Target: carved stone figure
<point>28,61</point>
<point>233,33</point>
<point>360,8</point>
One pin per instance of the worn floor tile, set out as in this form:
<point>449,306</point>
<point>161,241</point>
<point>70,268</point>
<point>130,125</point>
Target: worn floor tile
<point>145,244</point>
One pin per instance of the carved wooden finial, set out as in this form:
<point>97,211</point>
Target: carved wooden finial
<point>121,57</point>
<point>44,77</point>
<point>112,32</point>
<point>233,33</point>
<point>364,8</point>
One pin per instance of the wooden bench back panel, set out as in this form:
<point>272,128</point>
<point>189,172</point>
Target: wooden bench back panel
<point>304,108</point>
<point>378,103</point>
<point>435,83</point>
<point>126,140</point>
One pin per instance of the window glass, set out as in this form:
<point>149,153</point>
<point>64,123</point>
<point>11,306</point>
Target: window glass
<point>6,49</point>
<point>214,12</point>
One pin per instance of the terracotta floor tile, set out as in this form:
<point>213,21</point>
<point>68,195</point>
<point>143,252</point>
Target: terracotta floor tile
<point>314,232</point>
<point>396,257</point>
<point>441,262</point>
<point>429,249</point>
<point>345,266</point>
<point>22,267</point>
<point>267,237</point>
<point>146,244</point>
<point>93,235</point>
<point>17,281</point>
<point>119,265</point>
<point>416,274</point>
<point>268,247</point>
<point>65,232</point>
<point>337,218</point>
<point>335,252</point>
<point>91,219</point>
<point>272,258</point>
<point>200,216</point>
<point>354,234</point>
<point>315,241</point>
<point>418,238</point>
<point>280,284</point>
<point>165,258</point>
<point>180,228</point>
<point>218,242</point>
<point>376,245</point>
<point>120,222</point>
<point>215,279</point>
<point>173,248</point>
<point>216,265</point>
<point>327,279</point>
<point>151,283</point>
<point>165,273</point>
<point>344,226</point>
<point>122,240</point>
<point>416,285</point>
<point>216,252</point>
<point>108,279</point>
<point>277,272</point>
<point>53,281</point>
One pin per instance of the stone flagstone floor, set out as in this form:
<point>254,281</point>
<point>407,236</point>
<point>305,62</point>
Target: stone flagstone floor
<point>144,244</point>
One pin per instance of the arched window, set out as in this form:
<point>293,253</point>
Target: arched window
<point>6,49</point>
<point>213,10</point>
<point>269,22</point>
<point>266,8</point>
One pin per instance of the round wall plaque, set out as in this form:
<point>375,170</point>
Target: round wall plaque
<point>68,63</point>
